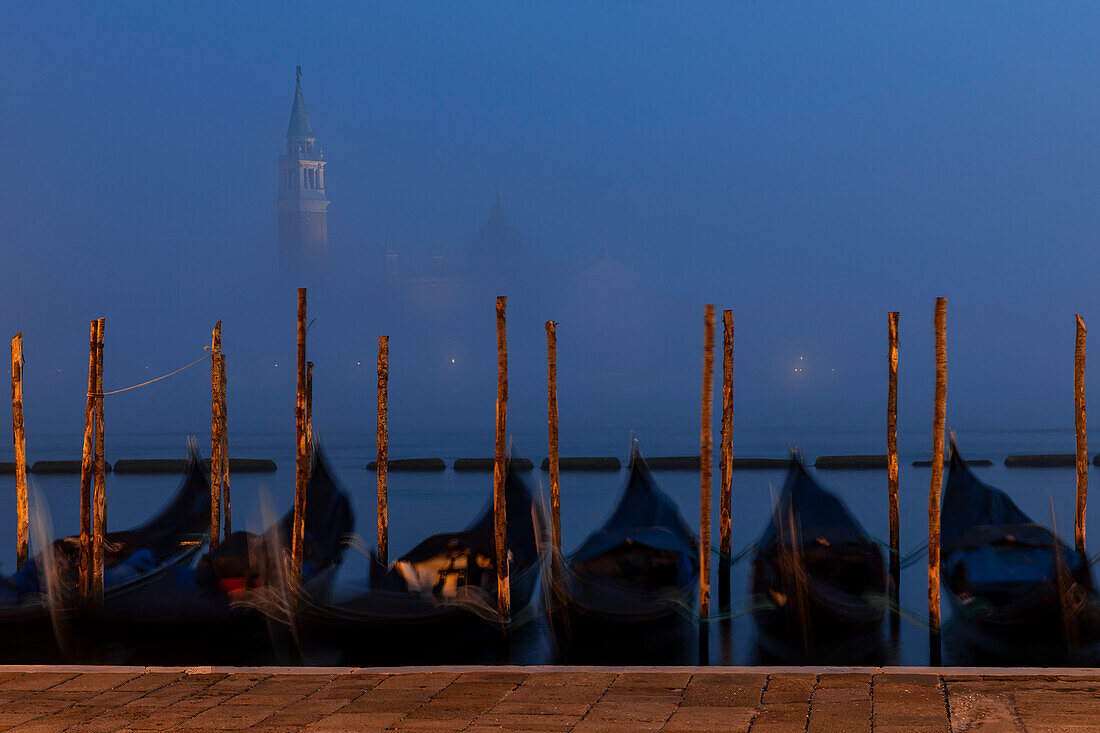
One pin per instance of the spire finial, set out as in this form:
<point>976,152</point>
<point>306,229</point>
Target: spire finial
<point>496,215</point>
<point>298,75</point>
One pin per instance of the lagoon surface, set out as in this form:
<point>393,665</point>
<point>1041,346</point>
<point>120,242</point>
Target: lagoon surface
<point>422,504</point>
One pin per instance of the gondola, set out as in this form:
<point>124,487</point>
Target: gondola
<point>637,574</point>
<point>439,598</point>
<point>819,579</point>
<point>211,610</point>
<point>40,599</point>
<point>1009,579</point>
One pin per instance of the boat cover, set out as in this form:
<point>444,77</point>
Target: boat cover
<point>645,515</point>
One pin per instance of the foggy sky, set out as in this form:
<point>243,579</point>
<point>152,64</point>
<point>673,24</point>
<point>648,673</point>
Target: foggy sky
<point>810,166</point>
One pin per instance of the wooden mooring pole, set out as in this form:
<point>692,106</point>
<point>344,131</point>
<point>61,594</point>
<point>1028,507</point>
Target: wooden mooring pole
<point>301,476</point>
<point>99,490</point>
<point>215,438</point>
<point>705,449</point>
<point>552,428</point>
<point>227,512</point>
<point>500,508</point>
<point>939,427</point>
<point>383,450</point>
<point>22,516</point>
<point>726,464</point>
<point>892,463</point>
<point>1082,439</point>
<point>309,418</point>
<point>87,470</point>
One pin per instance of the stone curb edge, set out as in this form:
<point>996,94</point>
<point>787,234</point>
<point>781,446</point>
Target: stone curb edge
<point>982,671</point>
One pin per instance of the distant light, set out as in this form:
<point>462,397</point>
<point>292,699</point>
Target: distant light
<point>358,363</point>
<point>452,361</point>
<point>801,358</point>
<point>276,365</point>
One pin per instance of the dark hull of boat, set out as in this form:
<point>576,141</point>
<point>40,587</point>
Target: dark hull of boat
<point>592,610</point>
<point>659,636</point>
<point>1036,629</point>
<point>29,636</point>
<point>818,578</point>
<point>171,538</point>
<point>859,647</point>
<point>166,624</point>
<point>633,583</point>
<point>970,644</point>
<point>396,628</point>
<point>813,613</point>
<point>57,632</point>
<point>1000,603</point>
<point>190,614</point>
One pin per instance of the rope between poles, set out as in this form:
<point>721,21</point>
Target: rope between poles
<point>151,381</point>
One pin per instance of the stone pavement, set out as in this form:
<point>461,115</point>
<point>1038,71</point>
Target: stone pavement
<point>578,699</point>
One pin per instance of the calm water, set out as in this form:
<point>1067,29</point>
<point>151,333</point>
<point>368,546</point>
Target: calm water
<point>423,504</point>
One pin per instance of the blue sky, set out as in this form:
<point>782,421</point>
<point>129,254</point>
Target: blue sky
<point>810,165</point>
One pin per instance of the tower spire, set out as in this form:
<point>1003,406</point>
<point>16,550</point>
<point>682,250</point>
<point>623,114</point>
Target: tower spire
<point>301,202</point>
<point>299,120</point>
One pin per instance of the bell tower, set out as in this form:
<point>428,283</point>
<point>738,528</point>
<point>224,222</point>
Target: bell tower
<point>301,202</point>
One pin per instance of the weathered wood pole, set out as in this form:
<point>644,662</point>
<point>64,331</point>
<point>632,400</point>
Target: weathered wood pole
<point>22,517</point>
<point>552,428</point>
<point>301,477</point>
<point>215,437</point>
<point>1082,439</point>
<point>227,511</point>
<point>892,462</point>
<point>939,427</point>
<point>99,490</point>
<point>726,463</point>
<point>309,415</point>
<point>500,508</point>
<point>383,450</point>
<point>705,449</point>
<point>87,470</point>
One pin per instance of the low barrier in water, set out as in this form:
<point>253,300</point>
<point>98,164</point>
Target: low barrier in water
<point>590,463</point>
<point>178,465</point>
<point>674,463</point>
<point>1042,460</point>
<point>850,462</point>
<point>691,463</point>
<point>586,463</point>
<point>59,467</point>
<point>486,464</point>
<point>761,464</point>
<point>980,462</point>
<point>411,464</point>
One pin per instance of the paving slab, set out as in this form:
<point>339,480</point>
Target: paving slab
<point>565,699</point>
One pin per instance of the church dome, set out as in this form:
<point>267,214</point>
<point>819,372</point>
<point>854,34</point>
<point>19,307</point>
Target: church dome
<point>497,246</point>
